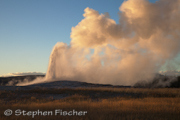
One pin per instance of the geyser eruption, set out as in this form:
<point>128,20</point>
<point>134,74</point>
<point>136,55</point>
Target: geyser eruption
<point>102,51</point>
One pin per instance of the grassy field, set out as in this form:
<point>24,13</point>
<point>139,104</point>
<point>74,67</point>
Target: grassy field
<point>100,103</point>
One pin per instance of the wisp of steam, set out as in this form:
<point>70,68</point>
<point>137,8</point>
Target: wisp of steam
<point>103,51</point>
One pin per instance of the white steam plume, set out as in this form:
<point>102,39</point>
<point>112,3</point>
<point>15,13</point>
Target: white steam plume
<point>102,51</point>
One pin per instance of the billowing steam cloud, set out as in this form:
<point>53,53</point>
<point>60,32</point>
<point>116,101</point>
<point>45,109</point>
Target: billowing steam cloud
<point>103,51</point>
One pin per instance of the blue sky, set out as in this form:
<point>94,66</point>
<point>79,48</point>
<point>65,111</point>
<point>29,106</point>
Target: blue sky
<point>30,28</point>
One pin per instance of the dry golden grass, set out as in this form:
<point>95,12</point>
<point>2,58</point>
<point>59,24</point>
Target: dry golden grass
<point>153,104</point>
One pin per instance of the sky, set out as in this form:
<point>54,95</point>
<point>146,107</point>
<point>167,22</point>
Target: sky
<point>30,28</point>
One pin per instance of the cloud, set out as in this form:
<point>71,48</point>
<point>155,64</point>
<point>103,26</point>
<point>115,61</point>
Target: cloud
<point>22,74</point>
